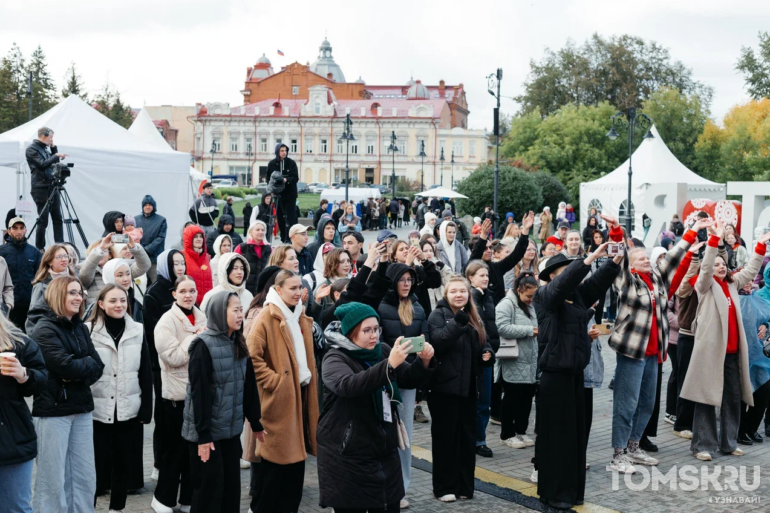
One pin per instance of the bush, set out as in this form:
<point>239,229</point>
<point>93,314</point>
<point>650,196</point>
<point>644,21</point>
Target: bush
<point>224,192</point>
<point>552,189</point>
<point>518,191</point>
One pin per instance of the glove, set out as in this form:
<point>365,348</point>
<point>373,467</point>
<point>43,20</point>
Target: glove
<point>462,318</point>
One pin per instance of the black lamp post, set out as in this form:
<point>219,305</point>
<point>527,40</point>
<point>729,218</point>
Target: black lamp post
<point>394,149</point>
<point>213,151</point>
<point>452,183</point>
<point>629,120</point>
<point>347,136</point>
<point>422,166</point>
<point>249,153</point>
<point>493,83</point>
<point>442,159</point>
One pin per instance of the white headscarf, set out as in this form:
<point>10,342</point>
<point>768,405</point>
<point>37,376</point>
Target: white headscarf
<point>448,248</point>
<point>111,267</point>
<point>656,252</point>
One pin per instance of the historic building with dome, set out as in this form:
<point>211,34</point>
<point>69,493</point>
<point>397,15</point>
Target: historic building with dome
<point>305,105</point>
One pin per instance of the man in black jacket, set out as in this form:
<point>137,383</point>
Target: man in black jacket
<point>41,156</point>
<point>321,211</point>
<point>288,169</point>
<point>23,261</point>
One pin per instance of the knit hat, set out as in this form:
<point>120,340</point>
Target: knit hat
<point>352,314</point>
<point>446,213</point>
<point>477,220</point>
<point>129,221</point>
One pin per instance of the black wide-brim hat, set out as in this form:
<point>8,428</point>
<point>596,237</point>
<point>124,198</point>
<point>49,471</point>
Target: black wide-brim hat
<point>556,261</point>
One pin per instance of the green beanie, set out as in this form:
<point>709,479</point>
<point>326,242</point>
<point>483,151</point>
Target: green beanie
<point>352,314</point>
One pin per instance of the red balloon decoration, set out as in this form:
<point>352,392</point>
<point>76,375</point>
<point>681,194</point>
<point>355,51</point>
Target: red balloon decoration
<point>726,211</point>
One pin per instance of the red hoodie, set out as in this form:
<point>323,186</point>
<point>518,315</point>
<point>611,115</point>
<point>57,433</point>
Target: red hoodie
<point>198,264</point>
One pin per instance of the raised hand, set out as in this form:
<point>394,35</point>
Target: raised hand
<point>696,247</point>
<point>527,222</point>
<point>702,223</point>
<point>426,354</point>
<point>399,353</point>
<point>106,242</point>
<point>609,219</point>
<point>486,227</point>
<point>764,238</point>
<point>322,291</point>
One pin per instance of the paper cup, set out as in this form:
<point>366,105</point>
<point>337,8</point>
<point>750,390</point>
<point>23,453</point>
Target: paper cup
<point>7,354</point>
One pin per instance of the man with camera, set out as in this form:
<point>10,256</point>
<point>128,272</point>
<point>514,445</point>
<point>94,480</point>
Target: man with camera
<point>288,197</point>
<point>41,156</point>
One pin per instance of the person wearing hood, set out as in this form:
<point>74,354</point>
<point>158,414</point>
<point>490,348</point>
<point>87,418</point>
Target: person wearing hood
<point>349,220</point>
<point>451,252</point>
<point>205,209</point>
<point>113,222</point>
<point>154,228</point>
<point>157,301</point>
<point>561,213</point>
<point>326,231</point>
<point>265,212</point>
<point>509,219</point>
<point>221,393</point>
<point>62,411</point>
<point>23,261</point>
<point>281,347</point>
<point>222,246</point>
<point>570,215</point>
<point>197,260</point>
<point>288,169</point>
<point>225,226</point>
<point>174,333</point>
<point>365,381</point>
<point>430,224</point>
<point>233,271</point>
<point>123,400</point>
<point>257,253</point>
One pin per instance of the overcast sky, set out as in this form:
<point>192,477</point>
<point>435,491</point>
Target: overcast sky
<point>185,51</point>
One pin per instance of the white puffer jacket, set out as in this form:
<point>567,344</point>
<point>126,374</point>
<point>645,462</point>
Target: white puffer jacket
<point>119,384</point>
<point>173,336</point>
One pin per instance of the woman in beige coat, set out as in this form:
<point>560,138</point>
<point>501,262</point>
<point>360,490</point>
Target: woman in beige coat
<point>718,374</point>
<point>545,223</point>
<point>281,347</point>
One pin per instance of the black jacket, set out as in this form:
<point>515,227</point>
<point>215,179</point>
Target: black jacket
<point>588,235</point>
<point>72,362</point>
<point>562,316</point>
<point>19,440</point>
<point>317,216</point>
<point>256,264</point>
<point>264,211</point>
<point>367,287</point>
<point>458,352</point>
<point>108,221</point>
<point>23,262</point>
<point>211,238</point>
<point>485,304</point>
<point>358,462</point>
<point>247,209</point>
<point>305,261</point>
<point>227,210</point>
<point>497,270</point>
<point>40,162</point>
<point>290,173</point>
<point>157,300</point>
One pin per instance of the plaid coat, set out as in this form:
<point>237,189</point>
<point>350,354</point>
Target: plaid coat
<point>631,332</point>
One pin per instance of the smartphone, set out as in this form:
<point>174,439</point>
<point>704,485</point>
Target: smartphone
<point>418,343</point>
<point>604,329</point>
<point>614,249</point>
<point>414,243</point>
<point>119,239</point>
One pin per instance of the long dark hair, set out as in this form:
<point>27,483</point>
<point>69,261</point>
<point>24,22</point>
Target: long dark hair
<point>98,314</point>
<point>524,280</point>
<point>239,341</point>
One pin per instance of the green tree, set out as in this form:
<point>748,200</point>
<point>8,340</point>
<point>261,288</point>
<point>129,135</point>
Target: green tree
<point>518,191</point>
<point>74,84</point>
<point>552,190</point>
<point>43,88</point>
<point>755,67</point>
<point>13,90</point>
<point>108,102</point>
<point>623,70</point>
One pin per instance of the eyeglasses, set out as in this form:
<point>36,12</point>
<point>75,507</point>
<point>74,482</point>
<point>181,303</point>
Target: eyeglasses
<point>372,331</point>
<point>62,257</point>
<point>406,281</point>
<point>75,293</point>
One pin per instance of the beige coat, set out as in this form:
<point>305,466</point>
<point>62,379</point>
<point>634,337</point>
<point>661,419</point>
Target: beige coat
<point>173,336</point>
<point>705,376</point>
<point>284,403</point>
<point>545,225</point>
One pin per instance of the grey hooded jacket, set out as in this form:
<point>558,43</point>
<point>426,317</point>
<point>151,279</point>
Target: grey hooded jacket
<point>513,323</point>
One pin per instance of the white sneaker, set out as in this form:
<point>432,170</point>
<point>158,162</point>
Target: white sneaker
<point>155,473</point>
<point>641,457</point>
<point>703,455</point>
<point>184,508</point>
<point>404,504</point>
<point>621,464</point>
<point>245,465</point>
<point>533,476</point>
<point>685,433</point>
<point>738,452</point>
<point>527,440</point>
<point>670,419</point>
<point>514,442</point>
<point>116,511</point>
<point>160,508</point>
<point>450,497</point>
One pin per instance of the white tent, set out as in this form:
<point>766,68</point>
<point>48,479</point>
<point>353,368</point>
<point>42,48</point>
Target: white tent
<point>9,152</point>
<point>441,193</point>
<point>656,175</point>
<point>114,169</point>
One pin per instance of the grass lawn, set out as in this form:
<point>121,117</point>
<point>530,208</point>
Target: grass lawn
<point>306,202</point>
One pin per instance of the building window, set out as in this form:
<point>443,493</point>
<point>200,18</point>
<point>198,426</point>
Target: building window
<point>441,145</point>
<point>370,147</point>
<point>457,148</point>
<point>472,148</point>
<point>295,90</point>
<point>217,144</point>
<point>294,145</point>
<point>308,145</point>
<point>622,215</point>
<point>249,143</point>
<point>354,147</point>
<point>340,147</point>
<point>317,107</point>
<point>263,144</point>
<point>324,146</point>
<point>234,146</point>
<point>278,141</point>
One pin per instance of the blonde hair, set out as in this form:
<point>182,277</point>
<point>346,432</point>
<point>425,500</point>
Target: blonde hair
<point>510,229</point>
<point>471,307</point>
<point>533,265</point>
<point>56,294</point>
<point>252,227</point>
<point>10,335</point>
<point>278,256</point>
<point>47,260</point>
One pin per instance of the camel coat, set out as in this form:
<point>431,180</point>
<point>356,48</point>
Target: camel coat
<point>705,376</point>
<point>545,225</point>
<point>289,412</point>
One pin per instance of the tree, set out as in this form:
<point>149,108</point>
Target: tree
<point>756,68</point>
<point>551,189</point>
<point>43,89</point>
<point>13,90</point>
<point>74,84</point>
<point>623,70</point>
<point>108,102</point>
<point>518,191</point>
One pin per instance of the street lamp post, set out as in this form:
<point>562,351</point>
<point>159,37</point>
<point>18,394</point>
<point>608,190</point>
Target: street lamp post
<point>629,120</point>
<point>442,159</point>
<point>347,136</point>
<point>493,83</point>
<point>452,183</point>
<point>422,166</point>
<point>394,149</point>
<point>249,153</point>
<point>213,151</point>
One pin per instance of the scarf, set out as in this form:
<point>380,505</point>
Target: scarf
<point>449,249</point>
<point>372,357</point>
<point>291,318</point>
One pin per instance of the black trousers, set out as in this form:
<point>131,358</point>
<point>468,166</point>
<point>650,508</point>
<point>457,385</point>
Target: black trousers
<point>158,437</point>
<point>652,425</point>
<point>497,398</point>
<point>175,462</point>
<point>589,412</point>
<point>392,508</point>
<point>673,381</point>
<point>113,450</point>
<point>286,204</point>
<point>453,431</point>
<point>217,483</point>
<point>684,409</point>
<point>750,420</point>
<point>393,219</point>
<point>40,197</point>
<point>18,316</point>
<point>516,408</point>
<point>279,487</point>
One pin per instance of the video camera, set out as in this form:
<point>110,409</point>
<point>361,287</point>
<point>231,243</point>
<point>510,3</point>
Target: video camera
<point>61,172</point>
<point>276,185</point>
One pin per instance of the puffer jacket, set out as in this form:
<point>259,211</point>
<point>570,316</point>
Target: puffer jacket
<point>212,237</point>
<point>198,264</point>
<point>91,274</point>
<point>154,229</point>
<point>458,353</point>
<point>173,336</point>
<point>485,305</point>
<point>23,262</point>
<point>72,362</point>
<point>256,262</point>
<point>513,323</point>
<point>224,283</point>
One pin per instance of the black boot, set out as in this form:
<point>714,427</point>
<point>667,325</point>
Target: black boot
<point>757,438</point>
<point>743,439</point>
<point>647,446</point>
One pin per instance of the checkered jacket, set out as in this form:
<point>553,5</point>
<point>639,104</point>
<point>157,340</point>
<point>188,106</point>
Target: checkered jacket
<point>631,332</point>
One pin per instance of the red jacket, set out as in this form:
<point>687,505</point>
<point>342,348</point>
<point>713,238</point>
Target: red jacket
<point>198,265</point>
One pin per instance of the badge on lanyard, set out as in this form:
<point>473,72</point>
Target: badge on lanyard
<point>387,414</point>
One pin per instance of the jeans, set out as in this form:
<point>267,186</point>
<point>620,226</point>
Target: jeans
<point>40,197</point>
<point>704,425</point>
<point>66,470</point>
<point>16,490</point>
<point>482,405</point>
<point>633,398</point>
<point>407,416</point>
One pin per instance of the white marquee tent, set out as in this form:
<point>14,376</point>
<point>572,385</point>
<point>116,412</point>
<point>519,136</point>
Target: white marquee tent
<point>9,152</point>
<point>656,173</point>
<point>113,170</point>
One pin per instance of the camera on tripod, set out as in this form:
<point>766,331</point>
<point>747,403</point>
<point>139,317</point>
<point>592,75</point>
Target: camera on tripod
<point>61,172</point>
<point>276,185</point>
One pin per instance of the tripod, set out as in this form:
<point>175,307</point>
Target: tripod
<point>68,220</point>
<point>272,220</point>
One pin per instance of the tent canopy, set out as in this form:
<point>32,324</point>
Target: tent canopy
<point>441,193</point>
<point>9,152</point>
<point>114,169</point>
